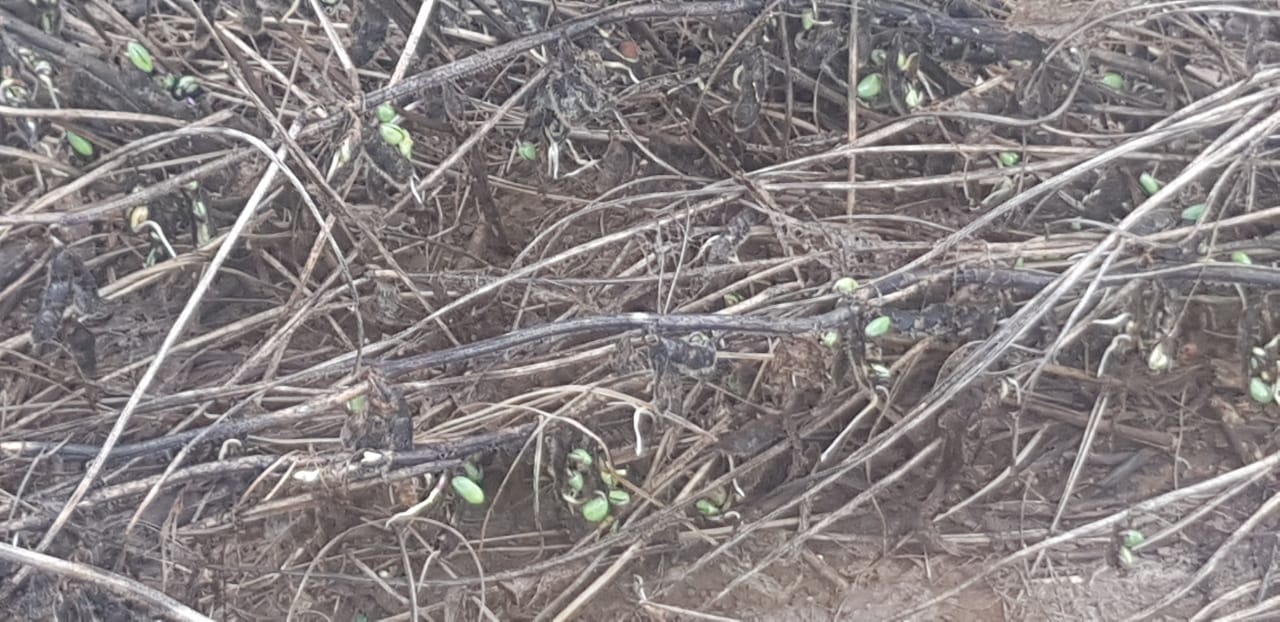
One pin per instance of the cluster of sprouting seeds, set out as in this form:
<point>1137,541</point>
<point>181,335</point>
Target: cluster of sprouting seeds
<point>16,92</point>
<point>1264,370</point>
<point>394,135</point>
<point>597,505</point>
<point>180,87</point>
<point>143,219</point>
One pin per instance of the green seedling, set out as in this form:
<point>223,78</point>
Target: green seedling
<point>397,137</point>
<point>881,371</point>
<point>619,497</point>
<point>468,489</point>
<point>869,87</point>
<point>474,472</point>
<point>1158,359</point>
<point>358,404</point>
<point>582,457</point>
<point>1008,158</point>
<point>140,56</point>
<point>387,114</point>
<point>1241,258</point>
<point>596,509</point>
<point>707,507</point>
<point>913,98</point>
<point>1149,183</point>
<point>1261,391</point>
<point>1195,212</point>
<point>1113,81</point>
<point>576,482</point>
<point>879,326</point>
<point>186,86</point>
<point>528,151</point>
<point>80,144</point>
<point>831,339</point>
<point>845,286</point>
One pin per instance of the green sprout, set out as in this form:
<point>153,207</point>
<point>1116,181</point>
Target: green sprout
<point>528,151</point>
<point>707,507</point>
<point>186,86</point>
<point>1260,390</point>
<point>468,489</point>
<point>582,457</point>
<point>397,137</point>
<point>1113,81</point>
<point>619,497</point>
<point>831,339</point>
<point>474,472</point>
<point>387,114</point>
<point>576,482</point>
<point>914,98</point>
<point>1195,212</point>
<point>1149,183</point>
<point>1241,258</point>
<point>879,326</point>
<point>870,86</point>
<point>357,404</point>
<point>1008,158</point>
<point>845,286</point>
<point>80,144</point>
<point>596,509</point>
<point>140,56</point>
<point>880,370</point>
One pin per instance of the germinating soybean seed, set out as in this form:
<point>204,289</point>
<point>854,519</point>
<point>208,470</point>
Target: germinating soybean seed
<point>879,326</point>
<point>467,489</point>
<point>596,509</point>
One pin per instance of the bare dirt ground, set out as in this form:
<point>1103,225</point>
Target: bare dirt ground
<point>714,310</point>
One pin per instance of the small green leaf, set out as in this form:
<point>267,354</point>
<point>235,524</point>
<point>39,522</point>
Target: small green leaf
<point>187,86</point>
<point>732,299</point>
<point>473,471</point>
<point>140,56</point>
<point>1113,80</point>
<point>468,489</point>
<point>1133,538</point>
<point>1008,158</point>
<point>879,326</point>
<point>1241,257</point>
<point>914,98</point>
<point>1149,183</point>
<point>807,19</point>
<point>877,57</point>
<point>831,339</point>
<point>1195,212</point>
<point>576,482</point>
<point>581,456</point>
<point>596,509</point>
<point>387,113</point>
<point>707,507</point>
<point>881,371</point>
<point>1126,556</point>
<point>1158,359</point>
<point>393,134</point>
<point>619,497</point>
<point>845,285</point>
<point>869,87</point>
<point>80,144</point>
<point>406,148</point>
<point>355,405</point>
<point>1260,391</point>
<point>607,476</point>
<point>528,151</point>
